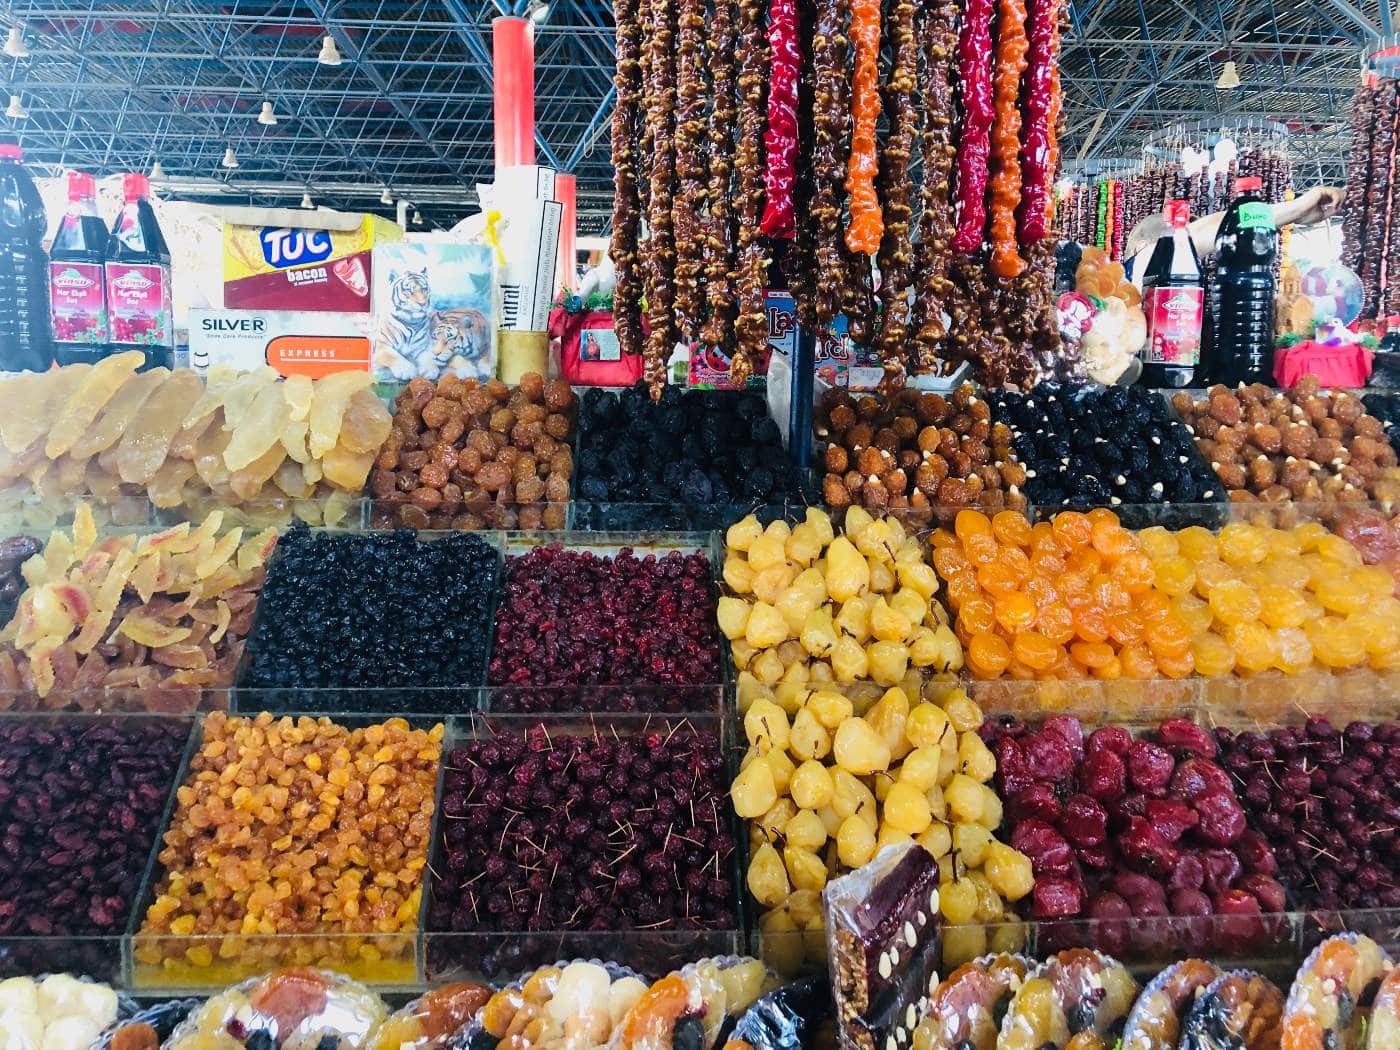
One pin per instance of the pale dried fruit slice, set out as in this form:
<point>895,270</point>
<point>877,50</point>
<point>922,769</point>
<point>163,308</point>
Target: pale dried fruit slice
<point>260,428</point>
<point>248,481</point>
<point>222,551</point>
<point>345,469</point>
<point>84,530</point>
<point>290,479</point>
<point>118,413</point>
<point>366,422</point>
<point>147,441</point>
<point>35,406</point>
<point>294,440</point>
<point>15,465</point>
<point>97,388</point>
<point>105,488</point>
<point>217,384</point>
<point>332,394</point>
<point>299,391</point>
<point>239,397</point>
<point>186,440</point>
<point>146,630</point>
<point>167,488</point>
<point>209,457</point>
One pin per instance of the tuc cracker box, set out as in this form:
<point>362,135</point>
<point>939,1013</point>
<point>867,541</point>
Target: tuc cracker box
<point>288,259</point>
<point>291,341</point>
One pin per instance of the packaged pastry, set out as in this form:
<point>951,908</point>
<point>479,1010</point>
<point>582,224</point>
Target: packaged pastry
<point>787,1018</point>
<point>1155,1020</point>
<point>430,1021</point>
<point>1076,1000</point>
<point>1329,1004</point>
<point>966,1009</point>
<point>292,1009</point>
<point>146,1029</point>
<point>1239,1010</point>
<point>692,1008</point>
<point>57,1012</point>
<point>884,940</point>
<point>1385,1014</point>
<point>570,1004</point>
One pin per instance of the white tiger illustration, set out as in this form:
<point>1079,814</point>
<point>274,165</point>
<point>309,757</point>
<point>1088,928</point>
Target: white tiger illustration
<point>404,344</point>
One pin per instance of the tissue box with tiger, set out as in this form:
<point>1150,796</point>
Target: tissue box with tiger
<point>289,259</point>
<point>434,311</point>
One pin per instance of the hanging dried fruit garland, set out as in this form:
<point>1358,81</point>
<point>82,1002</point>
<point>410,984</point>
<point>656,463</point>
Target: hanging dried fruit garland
<point>748,125</point>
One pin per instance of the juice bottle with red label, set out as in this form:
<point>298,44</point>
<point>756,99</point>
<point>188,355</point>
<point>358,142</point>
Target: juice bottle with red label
<point>77,291</point>
<point>1173,298</point>
<point>138,279</point>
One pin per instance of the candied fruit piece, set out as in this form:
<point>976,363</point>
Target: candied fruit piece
<point>146,443</point>
<point>97,388</point>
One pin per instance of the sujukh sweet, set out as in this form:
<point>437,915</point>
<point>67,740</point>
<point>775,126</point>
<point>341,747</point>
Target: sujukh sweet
<point>293,827</point>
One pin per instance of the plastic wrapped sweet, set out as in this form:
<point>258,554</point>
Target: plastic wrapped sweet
<point>1327,1007</point>
<point>966,1009</point>
<point>293,1009</point>
<point>430,1021</point>
<point>1155,1020</point>
<point>145,1029</point>
<point>1240,1010</point>
<point>57,1012</point>
<point>788,1018</point>
<point>1076,1000</point>
<point>569,1006</point>
<point>885,943</point>
<point>690,1008</point>
<point>1385,1015</point>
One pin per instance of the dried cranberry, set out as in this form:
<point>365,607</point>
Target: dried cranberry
<point>1189,873</point>
<point>1103,776</point>
<point>1037,802</point>
<point>1198,775</point>
<point>1180,734</point>
<point>1150,767</point>
<point>1085,823</point>
<point>1145,849</point>
<point>1050,854</point>
<point>1048,757</point>
<point>1068,729</point>
<point>1221,817</point>
<point>1267,891</point>
<point>1222,868</point>
<point>1170,817</point>
<point>1055,897</point>
<point>1109,738</point>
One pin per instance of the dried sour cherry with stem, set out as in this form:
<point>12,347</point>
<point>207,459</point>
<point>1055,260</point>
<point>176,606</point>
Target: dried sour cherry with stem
<point>374,609</point>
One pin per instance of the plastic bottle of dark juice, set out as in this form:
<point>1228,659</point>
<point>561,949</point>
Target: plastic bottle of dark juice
<point>1173,298</point>
<point>138,279</point>
<point>1248,238</point>
<point>77,287</point>
<point>26,341</point>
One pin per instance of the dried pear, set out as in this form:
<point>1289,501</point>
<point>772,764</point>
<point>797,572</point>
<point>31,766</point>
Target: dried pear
<point>98,387</point>
<point>253,553</point>
<point>299,392</point>
<point>167,488</point>
<point>243,392</point>
<point>33,408</point>
<point>247,481</point>
<point>70,471</point>
<point>147,441</point>
<point>332,394</point>
<point>366,422</point>
<point>290,480</point>
<point>217,383</point>
<point>118,413</point>
<point>17,465</point>
<point>105,488</point>
<point>311,471</point>
<point>338,507</point>
<point>144,630</point>
<point>209,457</point>
<point>186,440</point>
<point>345,469</point>
<point>260,429</point>
<point>294,440</point>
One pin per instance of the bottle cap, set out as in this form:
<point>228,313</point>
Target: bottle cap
<point>1248,183</point>
<point>11,151</point>
<point>81,186</point>
<point>1178,214</point>
<point>135,186</point>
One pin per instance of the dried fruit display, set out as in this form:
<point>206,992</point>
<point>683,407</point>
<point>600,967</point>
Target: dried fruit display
<point>101,613</point>
<point>1069,598</point>
<point>588,1000</point>
<point>914,453</point>
<point>703,1000</point>
<point>83,801</point>
<point>1374,534</point>
<point>1118,827</point>
<point>966,1007</point>
<point>431,1021</point>
<point>559,830</point>
<point>1323,798</point>
<point>691,458</point>
<point>1256,598</point>
<point>366,610</point>
<point>1302,444</point>
<point>56,1012</point>
<point>570,620</point>
<point>294,827</point>
<point>240,439</point>
<point>1088,445</point>
<point>468,455</point>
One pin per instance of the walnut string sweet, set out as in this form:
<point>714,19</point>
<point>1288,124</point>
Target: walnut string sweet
<point>1040,143</point>
<point>974,139</point>
<point>896,251</point>
<point>800,265</point>
<point>1011,50</point>
<point>627,208</point>
<point>751,326</point>
<point>937,40</point>
<point>720,277</point>
<point>866,220</point>
<point>690,164</point>
<point>1377,195</point>
<point>661,246</point>
<point>780,136</point>
<point>830,123</point>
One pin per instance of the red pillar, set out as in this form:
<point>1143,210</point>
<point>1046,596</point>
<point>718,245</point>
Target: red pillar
<point>565,190</point>
<point>513,74</point>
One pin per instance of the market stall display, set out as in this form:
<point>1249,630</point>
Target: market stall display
<point>54,1013</point>
<point>298,827</point>
<point>798,109</point>
<point>128,439</point>
<point>295,1009</point>
<point>469,455</point>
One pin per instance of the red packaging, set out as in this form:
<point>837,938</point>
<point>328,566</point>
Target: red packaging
<point>589,354</point>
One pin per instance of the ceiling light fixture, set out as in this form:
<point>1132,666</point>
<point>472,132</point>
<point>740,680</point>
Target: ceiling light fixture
<point>14,43</point>
<point>267,116</point>
<point>230,161</point>
<point>330,54</point>
<point>15,110</point>
<point>157,172</point>
<point>417,219</point>
<point>386,197</point>
<point>539,11</point>
<point>306,201</point>
<point>1229,77</point>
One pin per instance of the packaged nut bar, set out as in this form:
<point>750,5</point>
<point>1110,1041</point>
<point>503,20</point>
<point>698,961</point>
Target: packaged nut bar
<point>885,943</point>
<point>1329,1003</point>
<point>792,1017</point>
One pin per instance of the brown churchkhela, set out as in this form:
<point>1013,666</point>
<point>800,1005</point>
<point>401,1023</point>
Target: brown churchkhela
<point>627,205</point>
<point>751,326</point>
<point>660,248</point>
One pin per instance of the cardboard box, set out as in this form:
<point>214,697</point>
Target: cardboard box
<point>434,310</point>
<point>530,243</point>
<point>288,259</point>
<point>308,342</point>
